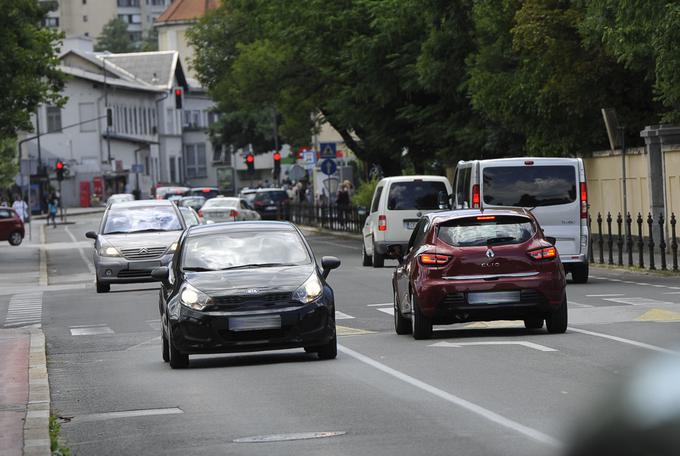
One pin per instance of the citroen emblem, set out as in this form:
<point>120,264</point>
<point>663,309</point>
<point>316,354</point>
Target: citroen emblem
<point>490,254</point>
<point>143,251</point>
<point>252,291</point>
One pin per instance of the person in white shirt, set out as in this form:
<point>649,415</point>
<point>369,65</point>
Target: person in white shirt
<point>20,207</point>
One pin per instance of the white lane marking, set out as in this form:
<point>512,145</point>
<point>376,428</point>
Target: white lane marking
<point>92,331</point>
<point>87,326</point>
<point>342,316</point>
<point>144,344</point>
<point>380,305</point>
<point>604,295</point>
<point>625,341</point>
<point>660,286</point>
<point>578,304</point>
<point>88,263</point>
<point>24,309</point>
<point>672,292</point>
<point>638,301</point>
<point>495,342</point>
<point>387,310</point>
<point>456,400</point>
<point>126,414</point>
<point>44,278</point>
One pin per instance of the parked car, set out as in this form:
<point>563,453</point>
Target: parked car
<point>554,189</point>
<point>133,239</point>
<point>119,198</point>
<point>166,192</point>
<point>222,209</point>
<point>206,192</point>
<point>478,265</point>
<point>397,205</point>
<point>11,226</point>
<point>190,216</point>
<point>194,202</point>
<point>245,287</point>
<point>270,203</point>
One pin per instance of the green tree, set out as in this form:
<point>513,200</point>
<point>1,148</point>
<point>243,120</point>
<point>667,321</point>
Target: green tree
<point>150,42</point>
<point>114,38</point>
<point>9,166</point>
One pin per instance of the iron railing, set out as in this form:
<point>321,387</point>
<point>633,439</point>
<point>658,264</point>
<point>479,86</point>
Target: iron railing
<point>344,219</point>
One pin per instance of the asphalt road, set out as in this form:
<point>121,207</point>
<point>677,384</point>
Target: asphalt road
<point>501,390</point>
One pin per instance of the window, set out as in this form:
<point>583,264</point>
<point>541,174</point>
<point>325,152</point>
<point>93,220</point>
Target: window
<point>5,214</point>
<point>53,119</point>
<point>212,118</point>
<point>376,199</point>
<point>416,194</point>
<point>84,2</point>
<point>146,165</point>
<point>217,152</point>
<point>173,172</point>
<point>136,19</point>
<point>196,165</point>
<point>87,115</point>
<point>196,119</point>
<point>125,119</point>
<point>51,22</point>
<point>128,2</point>
<point>84,18</point>
<point>145,122</point>
<point>529,186</point>
<point>158,2</point>
<point>169,121</point>
<point>491,231</point>
<point>134,123</point>
<point>186,118</point>
<point>463,187</point>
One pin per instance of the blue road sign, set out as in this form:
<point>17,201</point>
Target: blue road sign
<point>327,150</point>
<point>328,167</point>
<point>138,168</point>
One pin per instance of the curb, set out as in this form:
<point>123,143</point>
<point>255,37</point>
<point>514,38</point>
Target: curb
<point>340,234</point>
<point>37,422</point>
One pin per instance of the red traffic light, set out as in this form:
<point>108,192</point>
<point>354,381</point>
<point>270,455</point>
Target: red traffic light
<point>250,158</point>
<point>178,92</point>
<point>60,165</point>
<point>277,156</point>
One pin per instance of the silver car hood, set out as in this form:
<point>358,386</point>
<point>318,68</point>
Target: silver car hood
<point>138,240</point>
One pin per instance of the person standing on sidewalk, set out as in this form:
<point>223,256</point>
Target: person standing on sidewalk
<point>21,208</point>
<point>52,211</point>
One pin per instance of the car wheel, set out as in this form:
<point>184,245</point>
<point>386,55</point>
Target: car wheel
<point>402,325</point>
<point>15,238</point>
<point>103,287</point>
<point>421,325</point>
<point>177,360</point>
<point>533,323</point>
<point>556,322</point>
<point>377,259</point>
<point>365,259</point>
<point>166,346</point>
<point>329,350</point>
<point>579,273</point>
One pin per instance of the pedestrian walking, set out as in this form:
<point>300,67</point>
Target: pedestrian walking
<point>52,211</point>
<point>343,202</point>
<point>21,208</point>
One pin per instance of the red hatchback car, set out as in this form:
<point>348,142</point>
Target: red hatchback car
<point>11,226</point>
<point>478,265</point>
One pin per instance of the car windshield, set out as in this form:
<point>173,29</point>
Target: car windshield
<point>417,194</point>
<point>486,230</point>
<point>221,202</point>
<point>244,249</point>
<point>529,186</point>
<point>278,195</point>
<point>141,218</point>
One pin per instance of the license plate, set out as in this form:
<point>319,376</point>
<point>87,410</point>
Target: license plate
<point>255,323</point>
<point>142,265</point>
<point>494,297</point>
<point>410,224</point>
<point>271,208</point>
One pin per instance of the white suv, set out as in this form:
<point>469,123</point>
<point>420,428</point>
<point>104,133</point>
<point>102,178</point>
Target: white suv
<point>397,205</point>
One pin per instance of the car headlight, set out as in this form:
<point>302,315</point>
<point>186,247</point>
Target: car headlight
<point>194,298</point>
<point>172,248</point>
<point>108,250</point>
<point>310,290</point>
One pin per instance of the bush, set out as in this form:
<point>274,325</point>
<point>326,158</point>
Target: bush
<point>364,193</point>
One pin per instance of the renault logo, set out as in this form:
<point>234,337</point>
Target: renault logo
<point>143,251</point>
<point>490,254</point>
<point>252,291</point>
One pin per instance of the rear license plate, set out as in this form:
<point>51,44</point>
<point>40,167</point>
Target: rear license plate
<point>255,323</point>
<point>410,224</point>
<point>271,208</point>
<point>494,297</point>
<point>142,265</point>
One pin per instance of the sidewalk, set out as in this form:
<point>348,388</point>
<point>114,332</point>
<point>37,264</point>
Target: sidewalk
<point>74,212</point>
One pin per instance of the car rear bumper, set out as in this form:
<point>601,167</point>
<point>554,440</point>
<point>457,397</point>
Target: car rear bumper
<point>381,246</point>
<point>194,332</point>
<point>119,270</point>
<point>573,259</point>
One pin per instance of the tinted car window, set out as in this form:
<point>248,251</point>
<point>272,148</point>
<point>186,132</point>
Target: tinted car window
<point>486,230</point>
<point>462,186</point>
<point>228,250</point>
<point>529,186</point>
<point>418,234</point>
<point>141,218</point>
<point>277,196</point>
<point>421,195</point>
<point>376,199</point>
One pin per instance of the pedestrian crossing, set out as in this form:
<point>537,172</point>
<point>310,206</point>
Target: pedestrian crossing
<point>25,309</point>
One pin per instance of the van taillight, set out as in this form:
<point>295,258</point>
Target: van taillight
<point>475,196</point>
<point>382,223</point>
<point>584,200</point>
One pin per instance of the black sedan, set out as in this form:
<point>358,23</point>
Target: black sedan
<point>245,286</point>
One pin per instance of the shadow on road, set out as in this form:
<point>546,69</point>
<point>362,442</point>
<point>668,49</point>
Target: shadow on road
<point>250,359</point>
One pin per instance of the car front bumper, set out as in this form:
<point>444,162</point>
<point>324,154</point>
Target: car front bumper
<point>120,270</point>
<point>195,332</point>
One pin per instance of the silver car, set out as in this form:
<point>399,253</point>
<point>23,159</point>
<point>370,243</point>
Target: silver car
<point>134,238</point>
<point>223,209</point>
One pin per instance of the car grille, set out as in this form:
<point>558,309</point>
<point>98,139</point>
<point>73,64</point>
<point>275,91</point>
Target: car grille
<point>143,253</point>
<point>263,298</point>
<point>133,274</point>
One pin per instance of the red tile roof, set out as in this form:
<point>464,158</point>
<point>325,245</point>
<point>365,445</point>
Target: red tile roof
<point>187,10</point>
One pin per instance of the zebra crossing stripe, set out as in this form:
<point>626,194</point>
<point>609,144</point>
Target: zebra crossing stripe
<point>24,309</point>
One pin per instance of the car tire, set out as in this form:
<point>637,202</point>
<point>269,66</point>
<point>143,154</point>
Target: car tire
<point>533,323</point>
<point>377,259</point>
<point>556,322</point>
<point>365,259</point>
<point>329,350</point>
<point>579,273</point>
<point>177,360</point>
<point>103,287</point>
<point>166,346</point>
<point>402,325</point>
<point>15,238</point>
<point>421,325</point>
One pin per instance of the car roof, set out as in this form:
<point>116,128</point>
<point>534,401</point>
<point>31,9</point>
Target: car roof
<point>536,160</point>
<point>391,179</point>
<point>445,216</point>
<point>144,203</point>
<point>225,227</point>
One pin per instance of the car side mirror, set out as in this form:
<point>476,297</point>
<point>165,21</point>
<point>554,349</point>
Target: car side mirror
<point>328,263</point>
<point>551,239</point>
<point>444,200</point>
<point>395,252</point>
<point>91,235</point>
<point>161,274</point>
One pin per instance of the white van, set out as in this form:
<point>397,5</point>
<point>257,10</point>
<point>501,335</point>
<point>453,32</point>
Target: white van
<point>397,205</point>
<point>554,189</point>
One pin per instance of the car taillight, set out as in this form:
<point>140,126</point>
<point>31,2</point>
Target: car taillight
<point>233,213</point>
<point>475,196</point>
<point>545,253</point>
<point>382,223</point>
<point>431,259</point>
<point>584,201</point>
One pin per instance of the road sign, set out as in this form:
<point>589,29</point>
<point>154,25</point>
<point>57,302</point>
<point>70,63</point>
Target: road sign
<point>296,172</point>
<point>309,157</point>
<point>138,168</point>
<point>327,150</point>
<point>328,167</point>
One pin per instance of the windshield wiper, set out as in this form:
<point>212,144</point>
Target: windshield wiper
<point>257,265</point>
<point>198,269</point>
<point>500,240</point>
<point>148,230</point>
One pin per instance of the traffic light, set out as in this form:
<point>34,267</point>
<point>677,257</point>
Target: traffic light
<point>178,98</point>
<point>250,162</point>
<point>109,117</point>
<point>60,170</point>
<point>277,165</point>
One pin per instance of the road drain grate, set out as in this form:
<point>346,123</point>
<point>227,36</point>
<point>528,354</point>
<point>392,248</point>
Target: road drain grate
<point>289,437</point>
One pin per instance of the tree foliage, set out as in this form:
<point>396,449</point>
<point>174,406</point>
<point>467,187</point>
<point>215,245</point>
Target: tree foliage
<point>114,38</point>
<point>9,165</point>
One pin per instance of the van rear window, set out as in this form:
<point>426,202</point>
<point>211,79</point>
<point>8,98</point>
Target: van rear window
<point>486,230</point>
<point>529,186</point>
<point>417,194</point>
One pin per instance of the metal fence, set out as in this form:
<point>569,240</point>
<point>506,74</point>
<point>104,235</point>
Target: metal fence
<point>349,219</point>
<point>634,245</point>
